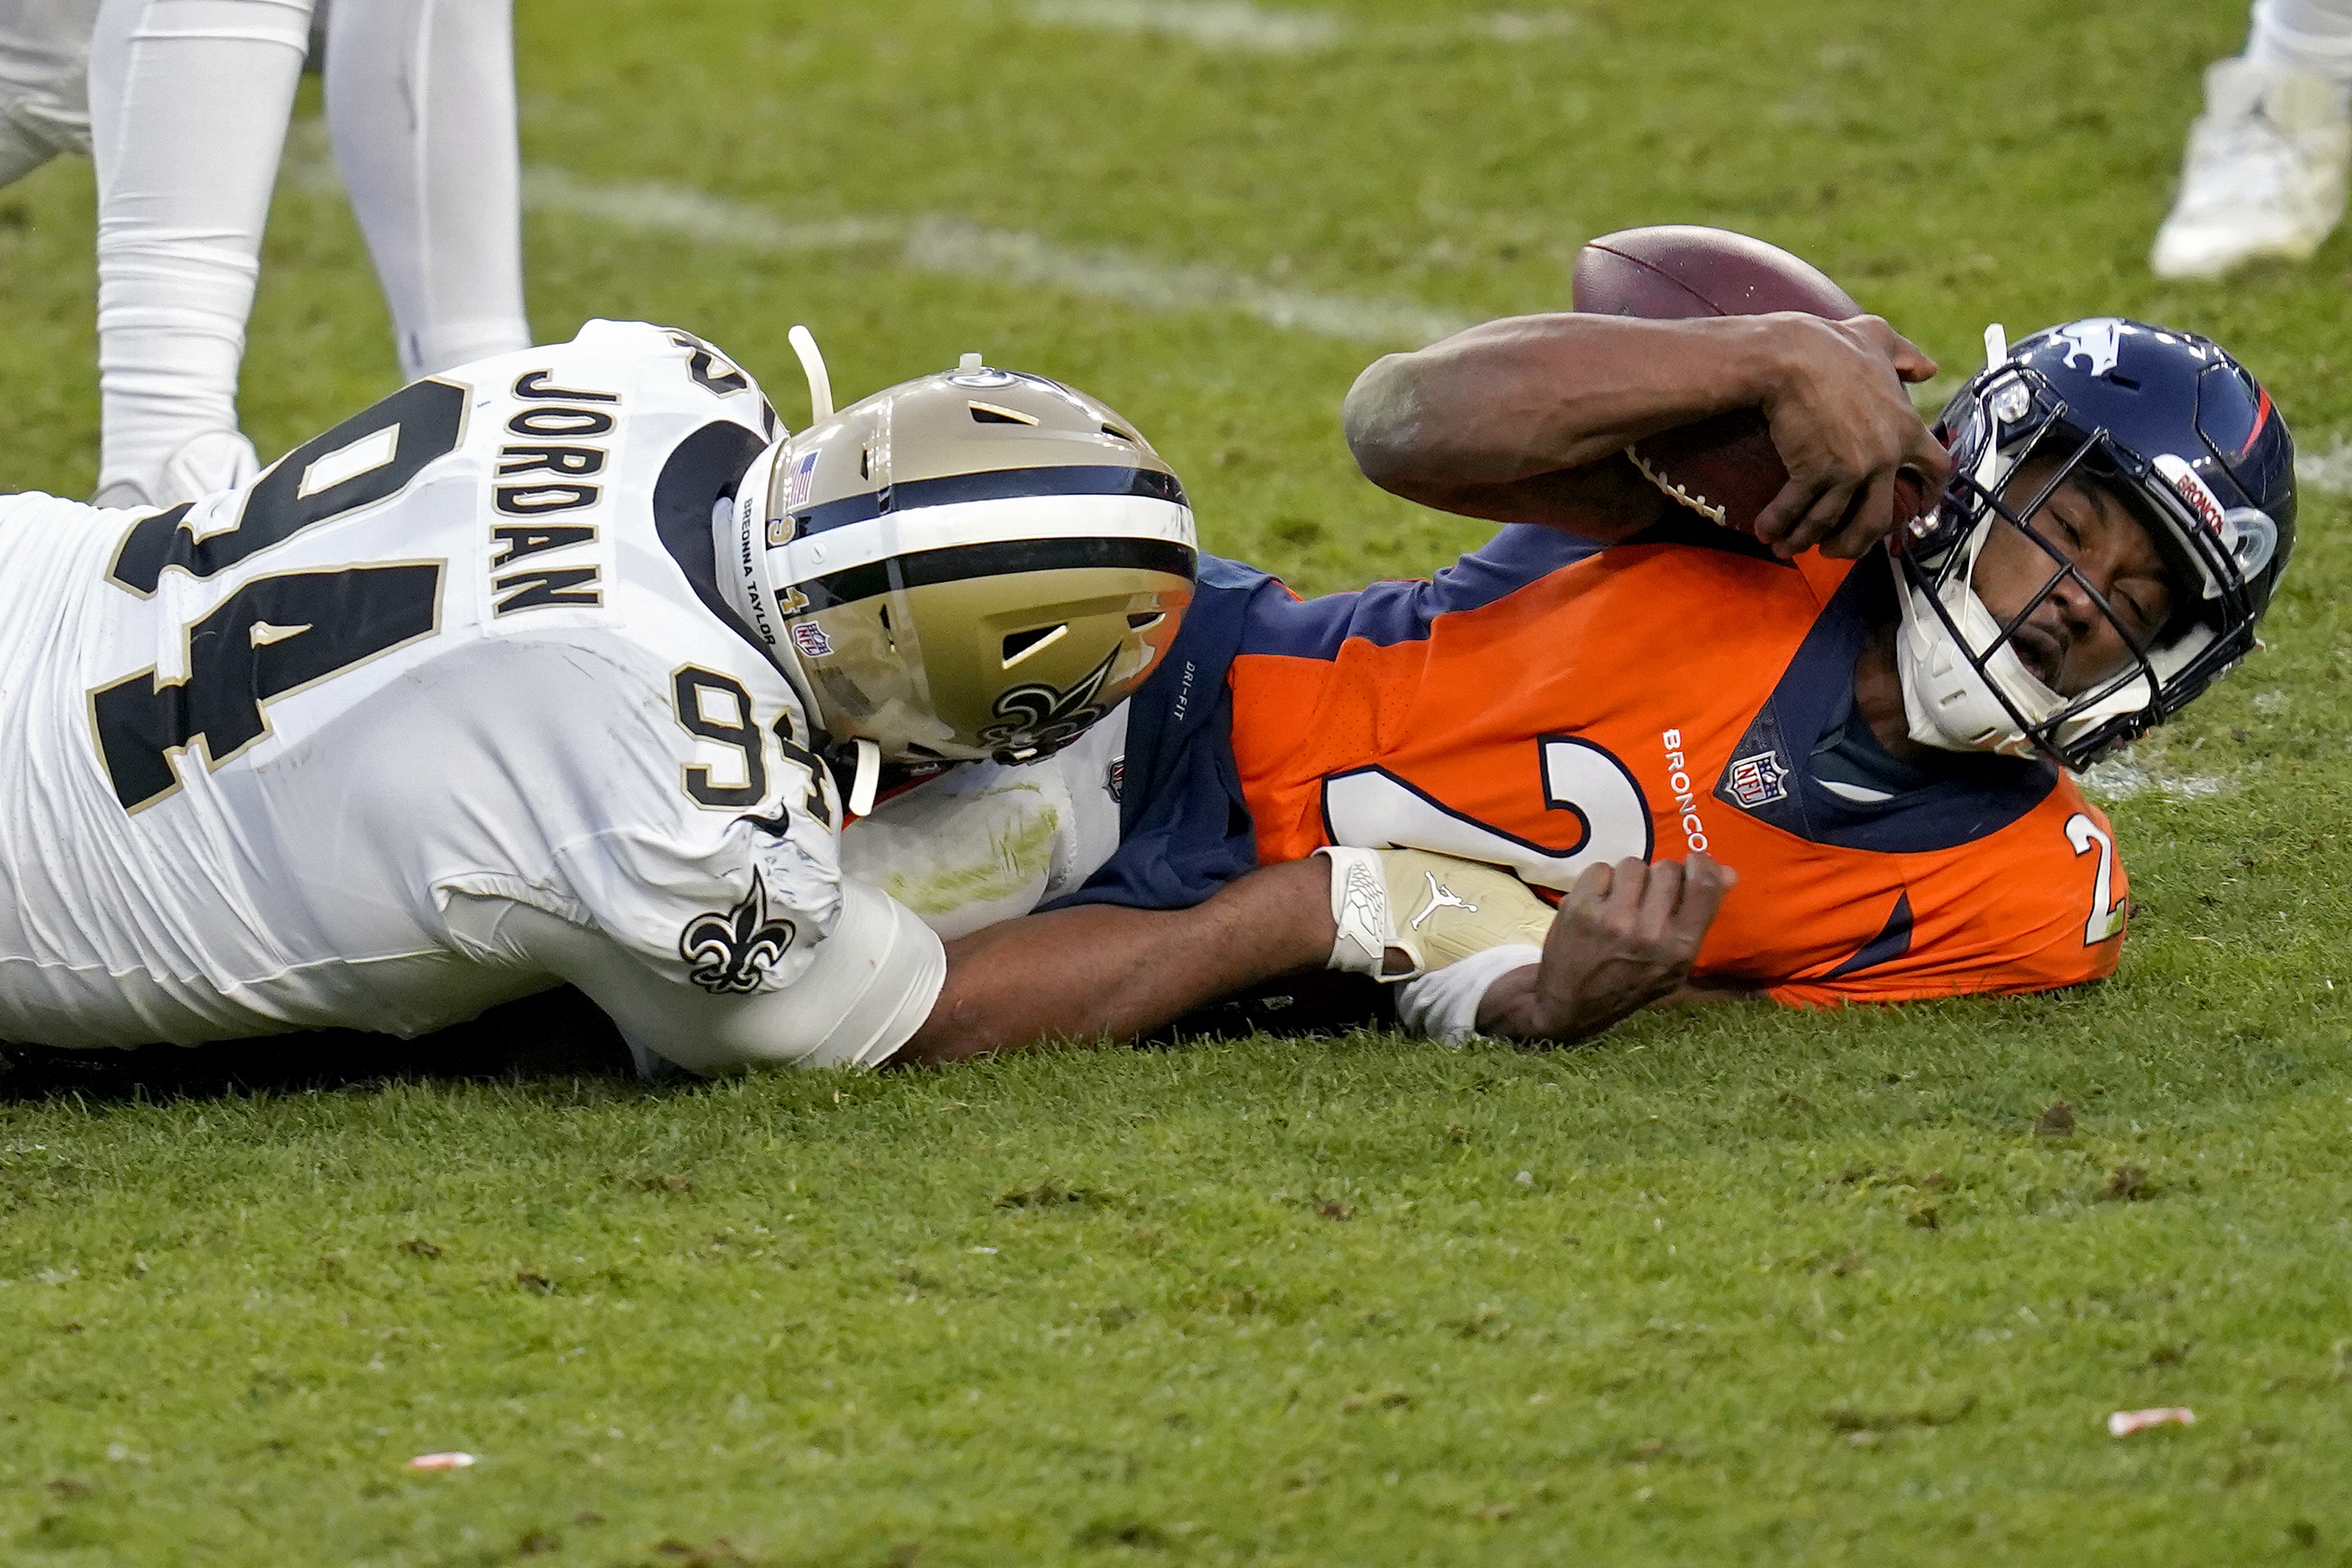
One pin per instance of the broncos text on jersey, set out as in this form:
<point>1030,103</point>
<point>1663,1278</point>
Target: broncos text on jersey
<point>1547,704</point>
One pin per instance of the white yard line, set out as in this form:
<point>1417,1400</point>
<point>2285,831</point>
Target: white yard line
<point>2117,779</point>
<point>2329,470</point>
<point>648,207</point>
<point>1211,24</point>
<point>1235,25</point>
<point>943,246</point>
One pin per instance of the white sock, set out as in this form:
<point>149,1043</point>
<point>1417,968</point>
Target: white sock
<point>2314,36</point>
<point>189,103</point>
<point>421,104</point>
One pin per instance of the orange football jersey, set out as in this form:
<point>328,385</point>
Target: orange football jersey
<point>1548,704</point>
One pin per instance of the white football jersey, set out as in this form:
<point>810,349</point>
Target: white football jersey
<point>273,755</point>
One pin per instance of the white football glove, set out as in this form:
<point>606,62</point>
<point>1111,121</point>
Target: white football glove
<point>1402,913</point>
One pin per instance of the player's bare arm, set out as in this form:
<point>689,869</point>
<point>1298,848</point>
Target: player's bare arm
<point>1098,972</point>
<point>1526,419</point>
<point>1624,937</point>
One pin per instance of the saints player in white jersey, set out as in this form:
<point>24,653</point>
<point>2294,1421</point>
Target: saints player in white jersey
<point>440,707</point>
<point>526,674</point>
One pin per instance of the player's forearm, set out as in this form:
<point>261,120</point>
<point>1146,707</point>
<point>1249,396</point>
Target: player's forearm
<point>1511,399</point>
<point>1516,1006</point>
<point>1625,936</point>
<point>1099,972</point>
<point>1513,1009</point>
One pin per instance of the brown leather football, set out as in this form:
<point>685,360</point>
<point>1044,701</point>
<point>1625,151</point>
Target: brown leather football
<point>1724,467</point>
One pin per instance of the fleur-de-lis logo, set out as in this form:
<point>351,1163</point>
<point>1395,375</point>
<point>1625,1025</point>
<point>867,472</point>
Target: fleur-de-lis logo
<point>732,951</point>
<point>1046,717</point>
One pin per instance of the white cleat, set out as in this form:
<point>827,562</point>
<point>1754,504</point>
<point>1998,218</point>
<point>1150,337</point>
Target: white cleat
<point>216,460</point>
<point>2264,175</point>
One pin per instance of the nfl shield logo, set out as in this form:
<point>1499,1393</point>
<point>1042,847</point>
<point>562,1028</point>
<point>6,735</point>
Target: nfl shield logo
<point>1759,781</point>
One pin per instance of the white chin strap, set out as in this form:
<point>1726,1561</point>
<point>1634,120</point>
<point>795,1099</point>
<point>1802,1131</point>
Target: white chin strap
<point>1949,704</point>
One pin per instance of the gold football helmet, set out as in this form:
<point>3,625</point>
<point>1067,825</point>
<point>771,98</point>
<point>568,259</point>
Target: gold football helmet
<point>978,563</point>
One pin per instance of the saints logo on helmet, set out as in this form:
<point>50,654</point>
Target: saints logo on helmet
<point>1045,717</point>
<point>975,563</point>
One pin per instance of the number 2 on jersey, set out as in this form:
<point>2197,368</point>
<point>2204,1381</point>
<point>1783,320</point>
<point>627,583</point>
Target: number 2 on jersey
<point>2107,910</point>
<point>1372,808</point>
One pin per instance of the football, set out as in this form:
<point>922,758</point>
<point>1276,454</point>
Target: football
<point>1725,468</point>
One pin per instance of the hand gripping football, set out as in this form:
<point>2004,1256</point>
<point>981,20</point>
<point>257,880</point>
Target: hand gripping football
<point>1724,467</point>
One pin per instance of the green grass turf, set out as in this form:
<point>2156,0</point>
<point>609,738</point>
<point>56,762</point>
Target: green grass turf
<point>1739,1287</point>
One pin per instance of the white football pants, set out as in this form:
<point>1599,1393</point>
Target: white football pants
<point>2314,36</point>
<point>44,83</point>
<point>189,105</point>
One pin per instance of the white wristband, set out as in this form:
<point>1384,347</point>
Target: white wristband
<point>1359,907</point>
<point>1444,1004</point>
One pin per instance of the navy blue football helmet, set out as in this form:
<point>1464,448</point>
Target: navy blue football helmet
<point>2177,429</point>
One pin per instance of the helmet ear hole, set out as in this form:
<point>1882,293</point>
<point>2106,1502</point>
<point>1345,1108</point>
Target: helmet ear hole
<point>1019,645</point>
<point>1138,622</point>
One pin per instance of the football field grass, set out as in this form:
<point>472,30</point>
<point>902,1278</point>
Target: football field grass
<point>1739,1286</point>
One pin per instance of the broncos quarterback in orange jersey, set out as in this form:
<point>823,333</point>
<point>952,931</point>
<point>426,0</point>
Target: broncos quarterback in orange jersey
<point>1875,732</point>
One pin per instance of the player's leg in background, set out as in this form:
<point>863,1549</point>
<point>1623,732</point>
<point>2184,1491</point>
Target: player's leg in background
<point>20,152</point>
<point>189,104</point>
<point>44,83</point>
<point>2264,173</point>
<point>421,103</point>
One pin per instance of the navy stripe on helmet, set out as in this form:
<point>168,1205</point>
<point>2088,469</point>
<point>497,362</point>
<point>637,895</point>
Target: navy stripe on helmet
<point>956,563</point>
<point>990,485</point>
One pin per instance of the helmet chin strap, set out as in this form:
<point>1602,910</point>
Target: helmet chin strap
<point>866,777</point>
<point>1948,702</point>
<point>820,383</point>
